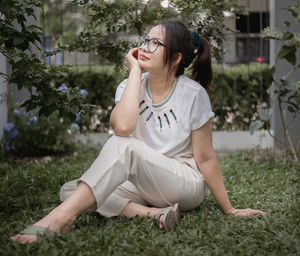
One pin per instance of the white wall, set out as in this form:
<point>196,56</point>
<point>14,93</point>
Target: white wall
<point>277,16</point>
<point>11,90</point>
<point>16,95</point>
<point>3,93</point>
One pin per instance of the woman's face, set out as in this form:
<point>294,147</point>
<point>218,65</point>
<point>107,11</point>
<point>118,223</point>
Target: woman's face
<point>153,62</point>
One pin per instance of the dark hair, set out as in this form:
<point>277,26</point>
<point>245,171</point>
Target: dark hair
<point>179,39</point>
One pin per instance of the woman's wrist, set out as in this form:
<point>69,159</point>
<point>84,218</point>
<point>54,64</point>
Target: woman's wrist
<point>229,211</point>
<point>136,69</point>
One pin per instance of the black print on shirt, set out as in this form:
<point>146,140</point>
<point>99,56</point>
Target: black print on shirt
<point>165,115</point>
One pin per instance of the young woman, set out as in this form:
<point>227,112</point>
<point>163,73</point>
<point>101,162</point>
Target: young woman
<point>161,159</point>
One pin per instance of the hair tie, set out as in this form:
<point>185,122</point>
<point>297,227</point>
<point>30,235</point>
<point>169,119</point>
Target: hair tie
<point>197,41</point>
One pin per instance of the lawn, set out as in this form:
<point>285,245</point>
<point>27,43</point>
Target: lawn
<point>256,179</point>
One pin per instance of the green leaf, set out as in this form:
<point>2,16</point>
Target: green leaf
<point>21,19</point>
<point>288,53</point>
<point>274,97</point>
<point>18,40</point>
<point>263,105</point>
<point>44,111</point>
<point>17,59</point>
<point>71,96</point>
<point>254,126</point>
<point>271,33</point>
<point>265,113</point>
<point>272,70</point>
<point>287,23</point>
<point>293,104</point>
<point>287,35</point>
<point>291,109</point>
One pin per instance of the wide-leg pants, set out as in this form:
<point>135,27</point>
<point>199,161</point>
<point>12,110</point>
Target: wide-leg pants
<point>129,170</point>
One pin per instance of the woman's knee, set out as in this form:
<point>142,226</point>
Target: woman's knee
<point>119,139</point>
<point>128,141</point>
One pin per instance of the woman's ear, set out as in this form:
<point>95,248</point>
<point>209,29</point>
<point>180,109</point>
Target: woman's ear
<point>178,58</point>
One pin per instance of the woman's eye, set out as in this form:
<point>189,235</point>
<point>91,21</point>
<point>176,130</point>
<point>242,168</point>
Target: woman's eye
<point>154,42</point>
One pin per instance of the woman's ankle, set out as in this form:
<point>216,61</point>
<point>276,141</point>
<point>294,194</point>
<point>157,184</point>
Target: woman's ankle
<point>57,221</point>
<point>152,212</point>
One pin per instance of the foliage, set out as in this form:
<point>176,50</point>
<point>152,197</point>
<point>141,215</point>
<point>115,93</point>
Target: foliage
<point>285,92</point>
<point>207,18</point>
<point>236,93</point>
<point>20,43</point>
<point>57,17</point>
<point>30,135</point>
<point>257,179</point>
<point>110,23</point>
<point>101,84</point>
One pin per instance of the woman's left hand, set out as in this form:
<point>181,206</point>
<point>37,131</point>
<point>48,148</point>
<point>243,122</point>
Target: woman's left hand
<point>246,212</point>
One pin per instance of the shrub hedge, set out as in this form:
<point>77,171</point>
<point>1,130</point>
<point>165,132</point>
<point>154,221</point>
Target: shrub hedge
<point>101,83</point>
<point>236,92</point>
<point>28,134</point>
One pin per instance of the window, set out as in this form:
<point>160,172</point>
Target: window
<point>253,20</point>
<point>250,47</point>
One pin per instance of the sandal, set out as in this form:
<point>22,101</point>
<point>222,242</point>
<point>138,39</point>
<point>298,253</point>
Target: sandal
<point>171,216</point>
<point>36,230</point>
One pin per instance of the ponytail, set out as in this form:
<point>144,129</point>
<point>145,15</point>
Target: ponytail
<point>179,39</point>
<point>201,68</point>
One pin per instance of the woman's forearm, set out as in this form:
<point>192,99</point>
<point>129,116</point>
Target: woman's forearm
<point>212,175</point>
<point>124,116</point>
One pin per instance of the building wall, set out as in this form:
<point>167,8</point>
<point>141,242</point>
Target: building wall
<point>3,94</point>
<point>18,96</point>
<point>278,16</point>
<point>230,40</point>
<point>10,90</point>
<point>256,5</point>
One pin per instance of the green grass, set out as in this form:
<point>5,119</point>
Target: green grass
<point>256,179</point>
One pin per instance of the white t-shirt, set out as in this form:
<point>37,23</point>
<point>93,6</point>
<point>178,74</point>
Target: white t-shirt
<point>166,127</point>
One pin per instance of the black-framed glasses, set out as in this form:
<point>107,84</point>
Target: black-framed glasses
<point>152,44</point>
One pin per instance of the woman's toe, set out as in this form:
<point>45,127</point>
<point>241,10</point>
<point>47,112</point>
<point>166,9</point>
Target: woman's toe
<point>24,239</point>
<point>31,240</point>
<point>161,226</point>
<point>14,238</point>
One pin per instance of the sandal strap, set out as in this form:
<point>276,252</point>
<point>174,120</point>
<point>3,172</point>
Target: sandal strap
<point>35,230</point>
<point>161,212</point>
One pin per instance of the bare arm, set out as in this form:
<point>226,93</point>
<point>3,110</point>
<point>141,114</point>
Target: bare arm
<point>207,163</point>
<point>123,118</point>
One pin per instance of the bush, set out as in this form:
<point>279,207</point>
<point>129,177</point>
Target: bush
<point>30,135</point>
<point>101,84</point>
<point>236,93</point>
<point>20,45</point>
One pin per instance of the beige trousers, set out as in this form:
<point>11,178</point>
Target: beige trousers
<point>129,170</point>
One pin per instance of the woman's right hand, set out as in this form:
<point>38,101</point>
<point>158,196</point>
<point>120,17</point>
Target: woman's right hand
<point>131,59</point>
<point>245,212</point>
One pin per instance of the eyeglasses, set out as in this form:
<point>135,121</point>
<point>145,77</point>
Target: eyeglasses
<point>152,44</point>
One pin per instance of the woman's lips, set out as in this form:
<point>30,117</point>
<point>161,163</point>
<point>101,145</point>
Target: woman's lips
<point>143,57</point>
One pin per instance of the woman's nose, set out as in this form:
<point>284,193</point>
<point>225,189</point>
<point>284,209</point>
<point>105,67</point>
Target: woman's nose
<point>144,47</point>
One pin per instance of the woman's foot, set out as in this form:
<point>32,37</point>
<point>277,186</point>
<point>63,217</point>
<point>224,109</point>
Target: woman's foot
<point>133,209</point>
<point>168,217</point>
<point>56,221</point>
